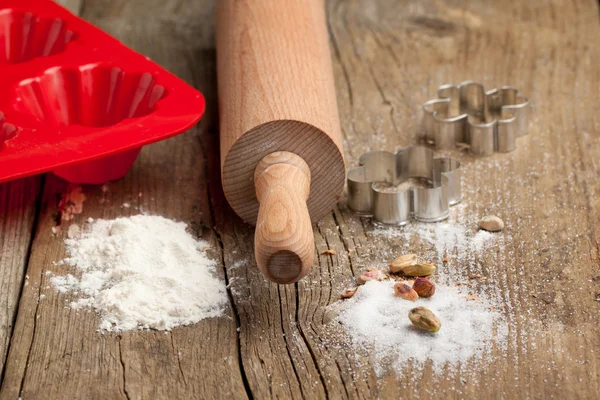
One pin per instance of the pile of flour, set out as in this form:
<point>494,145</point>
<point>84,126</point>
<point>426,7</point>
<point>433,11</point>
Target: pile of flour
<point>141,272</point>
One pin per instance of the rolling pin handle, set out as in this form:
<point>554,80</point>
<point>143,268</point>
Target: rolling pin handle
<point>284,240</point>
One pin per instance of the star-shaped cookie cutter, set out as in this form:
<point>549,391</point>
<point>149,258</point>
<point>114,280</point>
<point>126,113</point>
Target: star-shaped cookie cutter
<point>487,122</point>
<point>398,205</point>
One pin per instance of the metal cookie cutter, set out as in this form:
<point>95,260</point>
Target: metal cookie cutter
<point>399,205</point>
<point>486,121</point>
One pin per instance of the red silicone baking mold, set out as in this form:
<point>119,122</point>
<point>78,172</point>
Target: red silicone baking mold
<point>75,101</point>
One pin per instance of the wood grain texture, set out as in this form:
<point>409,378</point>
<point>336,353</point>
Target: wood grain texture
<point>389,57</point>
<point>276,93</point>
<point>17,216</point>
<point>72,5</point>
<point>283,241</point>
<point>57,352</point>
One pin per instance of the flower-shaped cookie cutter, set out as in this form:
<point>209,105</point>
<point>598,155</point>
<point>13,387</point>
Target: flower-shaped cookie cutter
<point>399,203</point>
<point>487,122</point>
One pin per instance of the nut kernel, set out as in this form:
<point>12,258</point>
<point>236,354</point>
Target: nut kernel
<point>491,223</point>
<point>371,274</point>
<point>347,293</point>
<point>404,291</point>
<point>403,261</point>
<point>423,269</point>
<point>424,287</point>
<point>424,319</point>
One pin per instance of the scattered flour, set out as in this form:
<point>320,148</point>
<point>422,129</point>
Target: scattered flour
<point>142,272</point>
<point>457,239</point>
<point>458,235</point>
<point>65,283</point>
<point>377,320</point>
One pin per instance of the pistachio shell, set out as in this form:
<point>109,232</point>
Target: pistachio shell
<point>371,274</point>
<point>404,291</point>
<point>423,269</point>
<point>424,287</point>
<point>347,293</point>
<point>403,261</point>
<point>491,223</point>
<point>424,319</point>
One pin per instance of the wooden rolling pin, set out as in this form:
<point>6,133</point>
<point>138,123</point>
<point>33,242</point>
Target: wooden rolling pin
<point>282,164</point>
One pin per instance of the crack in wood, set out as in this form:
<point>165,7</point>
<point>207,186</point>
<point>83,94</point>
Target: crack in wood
<point>178,358</point>
<point>231,299</point>
<point>122,361</point>
<point>34,226</point>
<point>35,317</point>
<point>306,342</point>
<point>330,258</point>
<point>385,100</point>
<point>286,340</point>
<point>33,232</point>
<point>343,240</point>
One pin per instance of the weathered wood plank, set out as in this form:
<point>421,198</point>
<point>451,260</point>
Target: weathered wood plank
<point>56,352</point>
<point>18,201</point>
<point>401,53</point>
<point>389,57</point>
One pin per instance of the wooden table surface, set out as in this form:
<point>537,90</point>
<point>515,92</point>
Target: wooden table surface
<point>389,57</point>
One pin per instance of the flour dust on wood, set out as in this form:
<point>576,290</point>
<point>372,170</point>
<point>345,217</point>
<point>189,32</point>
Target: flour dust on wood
<point>141,272</point>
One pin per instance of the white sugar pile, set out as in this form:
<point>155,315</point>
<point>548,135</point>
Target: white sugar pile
<point>376,319</point>
<point>142,272</point>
